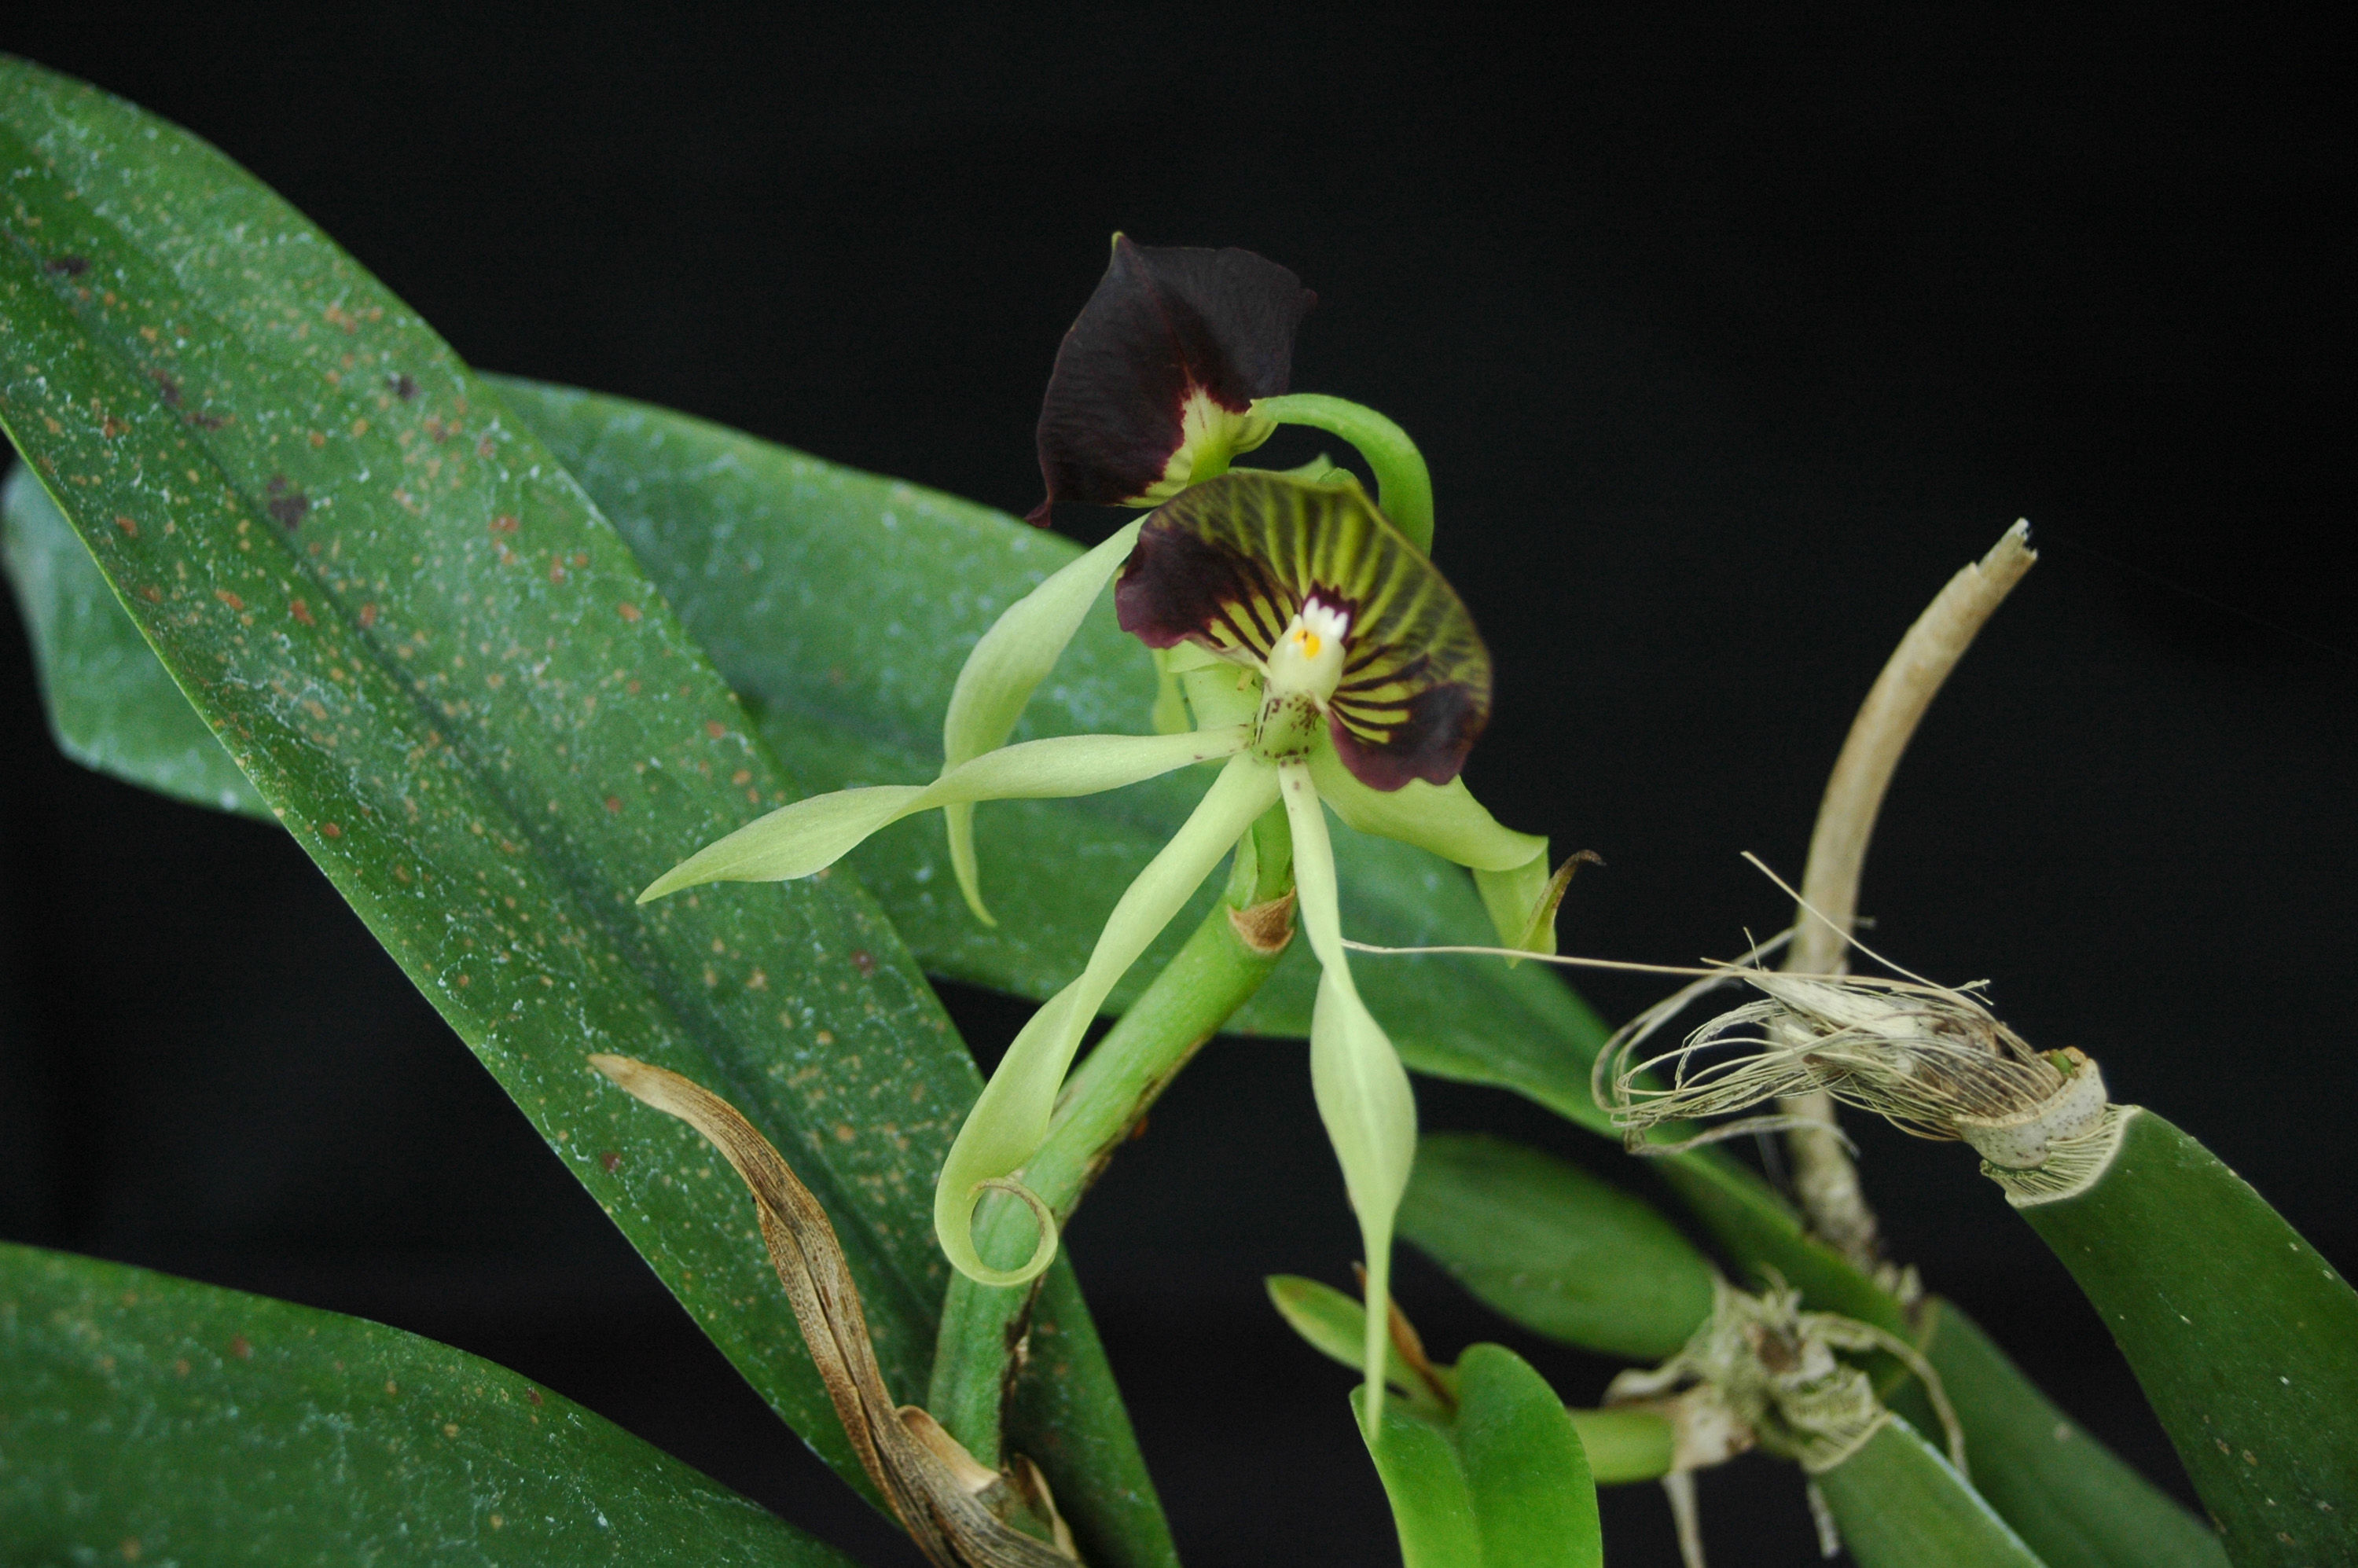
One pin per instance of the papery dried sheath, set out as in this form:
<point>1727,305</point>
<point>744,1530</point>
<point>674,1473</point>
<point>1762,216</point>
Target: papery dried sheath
<point>1154,382</point>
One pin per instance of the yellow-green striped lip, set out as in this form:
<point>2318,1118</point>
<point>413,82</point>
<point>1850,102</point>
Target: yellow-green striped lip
<point>1230,563</point>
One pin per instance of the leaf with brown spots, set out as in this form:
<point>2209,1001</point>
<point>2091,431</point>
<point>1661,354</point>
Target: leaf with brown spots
<point>420,765</point>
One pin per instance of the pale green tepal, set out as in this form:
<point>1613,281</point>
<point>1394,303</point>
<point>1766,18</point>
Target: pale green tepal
<point>1323,660</point>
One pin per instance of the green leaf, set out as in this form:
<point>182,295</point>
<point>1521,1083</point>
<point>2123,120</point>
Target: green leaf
<point>146,1418</point>
<point>447,676</point>
<point>1555,1249</point>
<point>841,606</point>
<point>1337,1327</point>
<point>1621,1444</point>
<point>2067,1496</point>
<point>2244,1339</point>
<point>1899,1505</point>
<point>110,704</point>
<point>1503,1485</point>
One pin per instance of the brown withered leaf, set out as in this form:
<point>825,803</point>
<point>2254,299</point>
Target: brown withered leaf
<point>942,1496</point>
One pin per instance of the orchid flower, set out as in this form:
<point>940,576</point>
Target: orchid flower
<point>1329,666</point>
<point>1325,664</point>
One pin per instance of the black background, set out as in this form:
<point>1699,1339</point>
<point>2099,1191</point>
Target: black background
<point>1728,336</point>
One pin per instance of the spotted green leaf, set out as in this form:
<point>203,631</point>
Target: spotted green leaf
<point>149,1419</point>
<point>2243,1337</point>
<point>444,672</point>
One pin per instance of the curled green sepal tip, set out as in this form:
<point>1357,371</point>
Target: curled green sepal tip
<point>955,1229</point>
<point>1010,1121</point>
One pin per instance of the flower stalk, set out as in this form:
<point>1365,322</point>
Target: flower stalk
<point>1824,1180</point>
<point>1216,971</point>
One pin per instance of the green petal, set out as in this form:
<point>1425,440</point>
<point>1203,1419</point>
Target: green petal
<point>1521,902</point>
<point>1403,485</point>
<point>1444,819</point>
<point>810,835</point>
<point>1012,659</point>
<point>1010,1121</point>
<point>1371,1114</point>
<point>792,841</point>
<point>1362,1090</point>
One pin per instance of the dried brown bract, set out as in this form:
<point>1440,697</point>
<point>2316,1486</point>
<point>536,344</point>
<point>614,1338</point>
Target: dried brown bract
<point>948,1501</point>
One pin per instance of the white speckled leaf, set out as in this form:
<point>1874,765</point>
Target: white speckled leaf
<point>110,704</point>
<point>441,669</point>
<point>191,1423</point>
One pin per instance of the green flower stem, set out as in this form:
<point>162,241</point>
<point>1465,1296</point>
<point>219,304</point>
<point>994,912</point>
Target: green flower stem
<point>1624,1445</point>
<point>1216,972</point>
<point>1403,484</point>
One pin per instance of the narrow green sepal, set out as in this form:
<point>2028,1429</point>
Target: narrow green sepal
<point>810,835</point>
<point>1006,665</point>
<point>1010,1121</point>
<point>792,841</point>
<point>1403,484</point>
<point>1361,1088</point>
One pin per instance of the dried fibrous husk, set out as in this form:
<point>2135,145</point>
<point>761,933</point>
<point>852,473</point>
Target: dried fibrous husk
<point>944,1497</point>
<point>1762,1370</point>
<point>1933,1060</point>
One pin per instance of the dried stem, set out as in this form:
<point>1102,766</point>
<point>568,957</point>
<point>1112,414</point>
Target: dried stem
<point>942,1495</point>
<point>1824,1177</point>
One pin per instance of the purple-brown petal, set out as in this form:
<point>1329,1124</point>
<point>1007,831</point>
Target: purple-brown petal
<point>1443,723</point>
<point>1167,325</point>
<point>1227,565</point>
